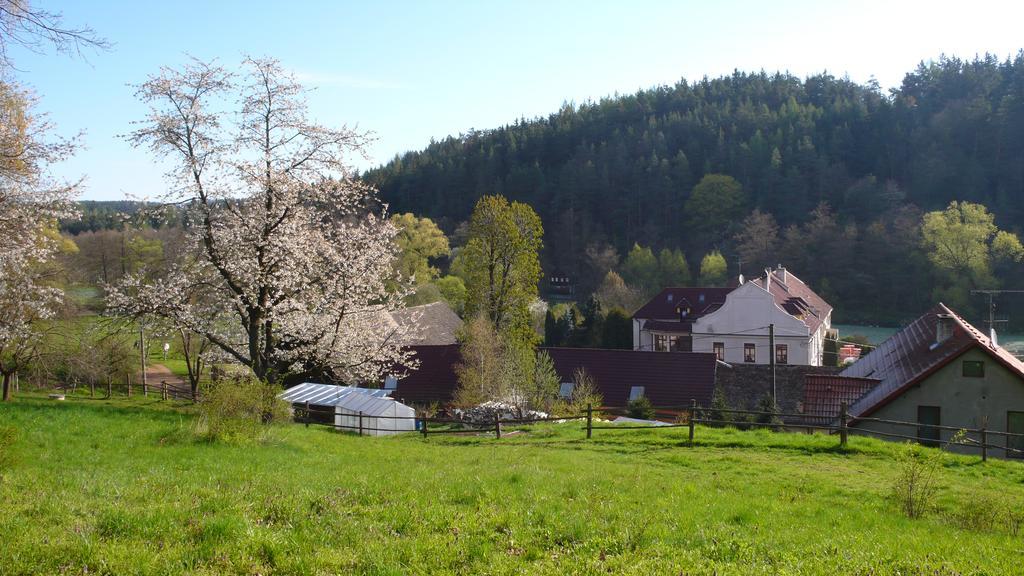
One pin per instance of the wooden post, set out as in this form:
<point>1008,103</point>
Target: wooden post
<point>842,424</point>
<point>307,414</point>
<point>984,438</point>
<point>424,428</point>
<point>693,414</point>
<point>142,357</point>
<point>360,422</point>
<point>163,389</point>
<point>497,427</point>
<point>590,420</point>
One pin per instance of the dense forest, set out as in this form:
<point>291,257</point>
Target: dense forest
<point>840,173</point>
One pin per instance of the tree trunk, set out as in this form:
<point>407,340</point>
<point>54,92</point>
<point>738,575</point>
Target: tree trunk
<point>142,358</point>
<point>7,387</point>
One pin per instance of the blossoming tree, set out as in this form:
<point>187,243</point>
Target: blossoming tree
<point>293,254</point>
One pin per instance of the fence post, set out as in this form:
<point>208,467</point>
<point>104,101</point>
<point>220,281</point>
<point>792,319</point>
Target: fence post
<point>842,424</point>
<point>590,420</point>
<point>163,386</point>
<point>984,438</point>
<point>360,422</point>
<point>424,429</point>
<point>306,418</point>
<point>693,414</point>
<point>110,388</point>
<point>497,427</point>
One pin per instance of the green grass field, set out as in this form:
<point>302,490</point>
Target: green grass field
<point>121,487</point>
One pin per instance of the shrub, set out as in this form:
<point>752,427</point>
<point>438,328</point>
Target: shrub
<point>584,391</point>
<point>915,486</point>
<point>640,408</point>
<point>8,435</point>
<point>239,408</point>
<point>769,412</point>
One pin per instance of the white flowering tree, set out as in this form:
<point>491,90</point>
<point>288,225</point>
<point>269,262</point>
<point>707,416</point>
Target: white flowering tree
<point>30,206</point>
<point>293,253</point>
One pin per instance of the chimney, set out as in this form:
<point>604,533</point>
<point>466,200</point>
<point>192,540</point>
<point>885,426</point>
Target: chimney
<point>943,329</point>
<point>768,279</point>
<point>780,270</point>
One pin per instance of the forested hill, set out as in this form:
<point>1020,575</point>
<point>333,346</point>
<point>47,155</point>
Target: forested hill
<point>621,170</point>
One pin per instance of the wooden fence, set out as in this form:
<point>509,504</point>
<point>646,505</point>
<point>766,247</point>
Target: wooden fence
<point>686,417</point>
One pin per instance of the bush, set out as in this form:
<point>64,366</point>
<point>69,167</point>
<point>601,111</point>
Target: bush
<point>640,408</point>
<point>240,408</point>
<point>8,435</point>
<point>915,486</point>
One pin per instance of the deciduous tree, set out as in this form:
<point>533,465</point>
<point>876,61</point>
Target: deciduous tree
<point>295,253</point>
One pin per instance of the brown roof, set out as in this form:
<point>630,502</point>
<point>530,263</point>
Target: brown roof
<point>668,378</point>
<point>795,297</point>
<point>824,394</point>
<point>700,301</point>
<point>912,354</point>
<point>428,325</point>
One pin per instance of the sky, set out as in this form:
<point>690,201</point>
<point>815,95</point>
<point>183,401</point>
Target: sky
<point>412,71</point>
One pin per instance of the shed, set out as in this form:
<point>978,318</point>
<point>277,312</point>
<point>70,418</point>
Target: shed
<point>381,415</point>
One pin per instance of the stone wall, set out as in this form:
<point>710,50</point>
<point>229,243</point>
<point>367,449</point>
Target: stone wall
<point>745,385</point>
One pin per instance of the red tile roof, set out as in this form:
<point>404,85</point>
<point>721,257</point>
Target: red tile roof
<point>824,394</point>
<point>668,378</point>
<point>912,354</point>
<point>700,301</point>
<point>795,297</point>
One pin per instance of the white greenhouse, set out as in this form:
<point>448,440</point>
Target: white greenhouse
<point>381,415</point>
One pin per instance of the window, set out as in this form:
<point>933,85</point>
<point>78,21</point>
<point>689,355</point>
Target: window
<point>719,350</point>
<point>749,353</point>
<point>635,392</point>
<point>565,390</point>
<point>782,354</point>
<point>390,382</point>
<point>928,417</point>
<point>660,343</point>
<point>1015,425</point>
<point>974,369</point>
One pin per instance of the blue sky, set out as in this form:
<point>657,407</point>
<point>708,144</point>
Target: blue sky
<point>412,71</point>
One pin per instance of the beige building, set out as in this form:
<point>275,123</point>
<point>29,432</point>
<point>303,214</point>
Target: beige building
<point>941,371</point>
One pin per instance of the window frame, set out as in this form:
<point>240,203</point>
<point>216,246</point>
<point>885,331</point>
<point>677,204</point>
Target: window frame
<point>978,363</point>
<point>750,352</point>
<point>661,342</point>
<point>784,358</point>
<point>718,349</point>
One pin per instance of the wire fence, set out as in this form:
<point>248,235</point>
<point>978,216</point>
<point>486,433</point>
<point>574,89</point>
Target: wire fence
<point>843,425</point>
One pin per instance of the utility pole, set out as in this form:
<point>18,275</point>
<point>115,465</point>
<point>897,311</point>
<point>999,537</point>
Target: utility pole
<point>992,320</point>
<point>771,358</point>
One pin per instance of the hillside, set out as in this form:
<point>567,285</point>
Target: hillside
<point>120,487</point>
<point>620,171</point>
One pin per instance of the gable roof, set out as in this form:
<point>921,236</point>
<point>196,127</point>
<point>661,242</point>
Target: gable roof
<point>795,297</point>
<point>824,394</point>
<point>701,301</point>
<point>912,354</point>
<point>668,378</point>
<point>432,324</point>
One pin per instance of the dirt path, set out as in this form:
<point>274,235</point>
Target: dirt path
<point>157,374</point>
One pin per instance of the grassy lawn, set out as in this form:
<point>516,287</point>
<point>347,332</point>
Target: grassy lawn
<point>120,487</point>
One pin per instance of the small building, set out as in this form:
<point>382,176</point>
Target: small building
<point>940,370</point>
<point>665,322</point>
<point>349,408</point>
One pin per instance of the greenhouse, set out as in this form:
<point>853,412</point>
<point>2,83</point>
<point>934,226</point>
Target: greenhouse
<point>379,414</point>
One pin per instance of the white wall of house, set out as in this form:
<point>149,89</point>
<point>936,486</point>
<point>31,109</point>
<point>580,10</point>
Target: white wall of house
<point>743,321</point>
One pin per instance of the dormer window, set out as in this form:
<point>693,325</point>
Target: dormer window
<point>670,297</point>
<point>943,328</point>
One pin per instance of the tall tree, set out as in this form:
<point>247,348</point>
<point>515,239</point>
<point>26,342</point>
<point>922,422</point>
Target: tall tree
<point>419,241</point>
<point>715,205</point>
<point>294,251</point>
<point>713,271</point>
<point>502,265</point>
<point>757,242</point>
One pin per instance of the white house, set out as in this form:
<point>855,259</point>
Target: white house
<point>739,330</point>
<point>734,323</point>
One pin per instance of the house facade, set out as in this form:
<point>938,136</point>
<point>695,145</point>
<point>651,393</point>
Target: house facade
<point>940,370</point>
<point>736,324</point>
